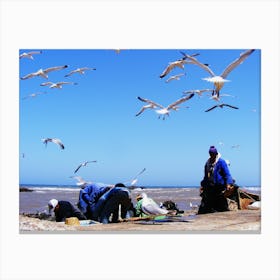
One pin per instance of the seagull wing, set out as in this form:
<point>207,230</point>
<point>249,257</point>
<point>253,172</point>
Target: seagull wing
<point>150,102</point>
<point>236,62</point>
<point>181,100</point>
<point>203,66</point>
<point>55,68</point>
<point>72,72</point>
<point>46,84</point>
<point>34,52</point>
<point>211,108</point>
<point>58,142</point>
<point>78,168</point>
<point>87,68</point>
<point>233,107</point>
<point>28,76</point>
<point>142,110</point>
<point>167,70</point>
<point>64,83</point>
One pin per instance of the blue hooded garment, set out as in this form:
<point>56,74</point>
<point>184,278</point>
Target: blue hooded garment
<point>221,174</point>
<point>90,195</point>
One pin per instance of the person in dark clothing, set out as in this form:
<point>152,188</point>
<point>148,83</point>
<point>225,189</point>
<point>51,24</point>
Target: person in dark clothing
<point>64,209</point>
<point>89,196</point>
<point>118,198</point>
<point>217,180</point>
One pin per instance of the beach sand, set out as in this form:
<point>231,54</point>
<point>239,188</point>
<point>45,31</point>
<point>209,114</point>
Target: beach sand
<point>238,221</point>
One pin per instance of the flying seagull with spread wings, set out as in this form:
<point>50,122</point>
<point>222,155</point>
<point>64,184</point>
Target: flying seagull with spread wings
<point>178,63</point>
<point>57,85</point>
<point>43,72</point>
<point>83,164</point>
<point>197,91</point>
<point>175,77</point>
<point>134,180</point>
<point>79,70</point>
<point>221,106</point>
<point>81,182</point>
<point>29,54</point>
<point>219,80</point>
<point>163,111</point>
<point>54,140</point>
<point>33,95</point>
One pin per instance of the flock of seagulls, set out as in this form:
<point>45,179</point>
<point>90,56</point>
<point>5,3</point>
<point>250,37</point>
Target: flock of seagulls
<point>162,111</point>
<point>217,80</point>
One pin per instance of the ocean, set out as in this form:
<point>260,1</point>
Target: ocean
<point>37,198</point>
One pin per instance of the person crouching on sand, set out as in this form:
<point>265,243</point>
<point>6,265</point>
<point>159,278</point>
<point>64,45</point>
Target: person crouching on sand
<point>64,209</point>
<point>112,203</point>
<point>217,179</point>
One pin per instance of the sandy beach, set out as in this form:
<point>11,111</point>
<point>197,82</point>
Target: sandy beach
<point>239,221</point>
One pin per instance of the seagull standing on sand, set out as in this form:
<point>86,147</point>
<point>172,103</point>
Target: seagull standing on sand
<point>150,207</point>
<point>79,70</point>
<point>54,140</point>
<point>221,106</point>
<point>43,72</point>
<point>163,111</point>
<point>29,54</point>
<point>56,85</point>
<point>83,164</point>
<point>219,80</point>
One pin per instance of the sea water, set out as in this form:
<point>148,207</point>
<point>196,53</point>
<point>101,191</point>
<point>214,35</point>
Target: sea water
<point>36,200</point>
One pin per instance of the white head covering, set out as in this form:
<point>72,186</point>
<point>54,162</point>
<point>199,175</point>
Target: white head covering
<point>52,204</point>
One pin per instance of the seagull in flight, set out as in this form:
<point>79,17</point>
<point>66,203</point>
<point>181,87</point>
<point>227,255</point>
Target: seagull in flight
<point>219,80</point>
<point>54,140</point>
<point>81,182</point>
<point>178,63</point>
<point>43,72</point>
<point>29,54</point>
<point>197,91</point>
<point>221,106</point>
<point>57,85</point>
<point>83,164</point>
<point>175,77</point>
<point>79,70</point>
<point>134,180</point>
<point>163,111</point>
<point>33,95</point>
<point>216,96</point>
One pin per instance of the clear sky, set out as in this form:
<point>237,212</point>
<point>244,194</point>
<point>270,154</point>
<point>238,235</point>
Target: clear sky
<point>95,119</point>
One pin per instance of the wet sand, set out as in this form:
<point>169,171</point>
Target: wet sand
<point>239,221</point>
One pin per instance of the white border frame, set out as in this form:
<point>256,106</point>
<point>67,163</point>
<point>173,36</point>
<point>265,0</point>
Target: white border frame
<point>136,24</point>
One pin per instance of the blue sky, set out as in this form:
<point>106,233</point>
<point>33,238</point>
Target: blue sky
<point>95,119</point>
